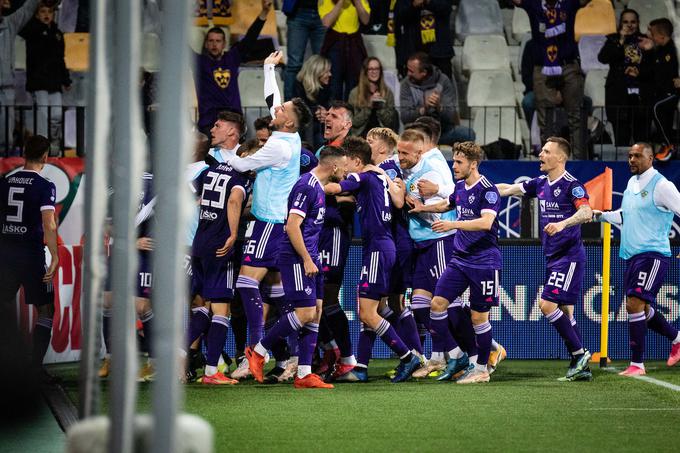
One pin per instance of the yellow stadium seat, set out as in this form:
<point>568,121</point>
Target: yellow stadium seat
<point>77,51</point>
<point>596,18</point>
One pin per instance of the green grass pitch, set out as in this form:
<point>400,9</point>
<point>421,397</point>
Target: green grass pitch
<point>523,408</point>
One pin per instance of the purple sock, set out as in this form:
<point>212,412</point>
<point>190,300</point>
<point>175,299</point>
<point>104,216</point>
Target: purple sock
<point>338,323</point>
<point>249,290</point>
<point>439,329</point>
<point>420,305</point>
<point>391,339</point>
<point>106,328</point>
<point>409,330</point>
<point>365,347</point>
<point>307,343</point>
<point>199,324</point>
<point>147,328</point>
<point>293,347</point>
<point>484,336</point>
<point>637,329</point>
<point>577,331</point>
<point>563,326</point>
<point>658,324</point>
<point>466,332</point>
<point>283,327</point>
<point>42,333</point>
<point>217,337</point>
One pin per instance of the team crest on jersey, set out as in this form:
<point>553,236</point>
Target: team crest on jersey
<point>222,77</point>
<point>557,192</point>
<point>413,188</point>
<point>308,291</point>
<point>578,192</point>
<point>491,197</point>
<point>391,173</point>
<point>304,160</point>
<point>471,199</point>
<point>644,193</point>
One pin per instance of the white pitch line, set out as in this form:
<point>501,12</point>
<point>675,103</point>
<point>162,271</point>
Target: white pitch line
<point>632,409</point>
<point>651,380</point>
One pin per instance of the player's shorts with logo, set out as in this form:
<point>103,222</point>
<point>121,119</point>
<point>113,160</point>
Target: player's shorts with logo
<point>261,246</point>
<point>483,284</point>
<point>376,270</point>
<point>215,277</point>
<point>563,280</point>
<point>301,290</point>
<point>430,262</point>
<point>334,245</point>
<point>644,275</point>
<point>19,267</point>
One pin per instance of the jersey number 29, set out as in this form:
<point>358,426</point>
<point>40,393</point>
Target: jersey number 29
<point>215,182</point>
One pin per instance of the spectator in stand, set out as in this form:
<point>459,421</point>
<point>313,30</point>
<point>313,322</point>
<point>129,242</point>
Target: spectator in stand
<point>625,88</point>
<point>46,73</point>
<point>303,24</point>
<point>216,71</point>
<point>312,86</point>
<point>427,91</point>
<point>424,25</point>
<point>9,28</point>
<point>558,79</point>
<point>659,46</point>
<point>372,100</point>
<point>262,130</point>
<point>343,44</point>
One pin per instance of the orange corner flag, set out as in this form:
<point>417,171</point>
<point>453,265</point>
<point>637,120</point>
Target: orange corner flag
<point>600,190</point>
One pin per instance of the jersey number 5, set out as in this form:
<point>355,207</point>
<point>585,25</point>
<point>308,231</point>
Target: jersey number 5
<point>17,203</point>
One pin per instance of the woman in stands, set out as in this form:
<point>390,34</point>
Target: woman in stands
<point>372,100</point>
<point>627,84</point>
<point>312,86</point>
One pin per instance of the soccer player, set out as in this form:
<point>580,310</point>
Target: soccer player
<point>475,264</point>
<point>223,191</point>
<point>299,264</point>
<point>278,165</point>
<point>27,217</point>
<point>564,206</point>
<point>645,218</point>
<point>432,248</point>
<point>372,189</point>
<point>225,135</point>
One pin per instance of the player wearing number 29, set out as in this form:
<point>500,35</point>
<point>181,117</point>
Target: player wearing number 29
<point>645,217</point>
<point>223,191</point>
<point>564,206</point>
<point>26,217</point>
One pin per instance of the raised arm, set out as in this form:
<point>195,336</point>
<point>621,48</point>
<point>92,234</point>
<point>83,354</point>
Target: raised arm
<point>507,190</point>
<point>329,18</point>
<point>272,95</point>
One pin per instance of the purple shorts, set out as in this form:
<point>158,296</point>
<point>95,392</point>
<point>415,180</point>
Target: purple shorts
<point>261,247</point>
<point>334,245</point>
<point>402,272</point>
<point>301,291</point>
<point>144,276</point>
<point>214,278</point>
<point>21,268</point>
<point>376,269</point>
<point>430,262</point>
<point>483,284</point>
<point>563,281</point>
<point>644,275</point>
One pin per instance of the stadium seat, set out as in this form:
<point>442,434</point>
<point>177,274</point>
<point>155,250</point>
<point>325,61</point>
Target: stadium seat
<point>392,81</point>
<point>376,46</point>
<point>491,88</point>
<point>478,17</point>
<point>650,10</point>
<point>492,123</point>
<point>588,48</point>
<point>77,51</point>
<point>19,54</point>
<point>251,89</point>
<point>522,44</point>
<point>151,52</point>
<point>282,27</point>
<point>485,52</point>
<point>594,86</point>
<point>520,24</point>
<point>596,18</point>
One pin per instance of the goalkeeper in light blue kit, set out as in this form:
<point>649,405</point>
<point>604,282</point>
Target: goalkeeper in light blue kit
<point>645,218</point>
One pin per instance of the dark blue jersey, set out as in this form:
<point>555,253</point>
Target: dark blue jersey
<point>402,239</point>
<point>307,200</point>
<point>146,208</point>
<point>307,161</point>
<point>23,197</point>
<point>215,185</point>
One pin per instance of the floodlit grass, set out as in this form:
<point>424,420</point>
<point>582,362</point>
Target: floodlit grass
<point>523,408</point>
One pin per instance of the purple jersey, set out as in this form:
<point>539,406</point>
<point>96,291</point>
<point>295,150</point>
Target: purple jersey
<point>215,185</point>
<point>477,249</point>
<point>306,199</point>
<point>374,206</point>
<point>145,210</point>
<point>559,200</point>
<point>307,161</point>
<point>23,197</point>
<point>402,239</point>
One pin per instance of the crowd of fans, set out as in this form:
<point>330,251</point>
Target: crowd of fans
<point>641,86</point>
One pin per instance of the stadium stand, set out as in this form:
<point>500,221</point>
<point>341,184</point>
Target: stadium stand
<point>594,86</point>
<point>520,24</point>
<point>650,10</point>
<point>478,17</point>
<point>151,52</point>
<point>19,54</point>
<point>485,52</point>
<point>376,46</point>
<point>77,51</point>
<point>588,47</point>
<point>596,18</point>
<point>282,27</point>
<point>491,89</point>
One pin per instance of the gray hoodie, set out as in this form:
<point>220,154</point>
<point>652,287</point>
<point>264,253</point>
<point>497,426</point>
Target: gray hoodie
<point>10,26</point>
<point>413,97</point>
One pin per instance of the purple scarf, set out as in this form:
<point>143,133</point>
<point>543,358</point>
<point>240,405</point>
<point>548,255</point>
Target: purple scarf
<point>554,20</point>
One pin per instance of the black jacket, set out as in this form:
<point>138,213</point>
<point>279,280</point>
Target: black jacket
<point>664,69</point>
<point>45,66</point>
<point>613,54</point>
